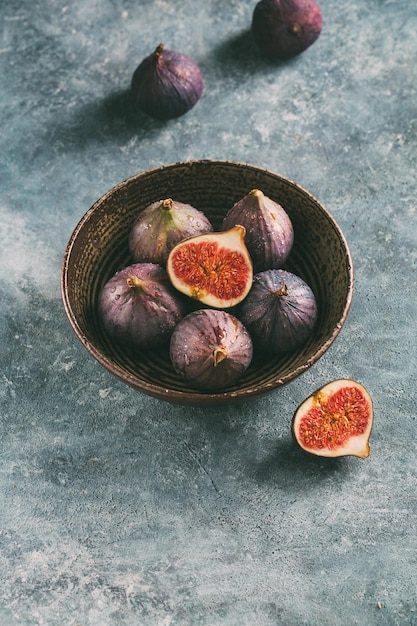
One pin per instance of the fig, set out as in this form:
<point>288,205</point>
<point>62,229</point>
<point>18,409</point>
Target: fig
<point>335,421</point>
<point>284,28</point>
<point>160,226</point>
<point>139,307</point>
<point>280,311</point>
<point>214,268</point>
<point>166,84</point>
<point>210,348</point>
<point>269,231</point>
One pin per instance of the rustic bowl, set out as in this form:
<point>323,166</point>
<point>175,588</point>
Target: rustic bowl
<point>98,248</point>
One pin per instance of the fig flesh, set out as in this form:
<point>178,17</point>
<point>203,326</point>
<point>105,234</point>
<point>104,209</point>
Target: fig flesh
<point>160,226</point>
<point>280,311</point>
<point>335,421</point>
<point>139,307</point>
<point>269,231</point>
<point>166,84</point>
<point>284,28</point>
<point>214,268</point>
<point>210,348</point>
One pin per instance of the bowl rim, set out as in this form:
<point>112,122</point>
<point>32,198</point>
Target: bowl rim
<point>197,397</point>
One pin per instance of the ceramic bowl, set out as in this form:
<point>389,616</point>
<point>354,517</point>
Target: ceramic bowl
<point>98,248</point>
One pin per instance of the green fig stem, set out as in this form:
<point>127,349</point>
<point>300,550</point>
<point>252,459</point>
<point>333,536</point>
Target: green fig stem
<point>134,282</point>
<point>257,193</point>
<point>219,354</point>
<point>166,204</point>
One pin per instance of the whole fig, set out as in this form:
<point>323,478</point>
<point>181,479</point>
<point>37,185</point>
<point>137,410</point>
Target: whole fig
<point>166,84</point>
<point>280,311</point>
<point>284,28</point>
<point>139,307</point>
<point>210,348</point>
<point>269,231</point>
<point>160,226</point>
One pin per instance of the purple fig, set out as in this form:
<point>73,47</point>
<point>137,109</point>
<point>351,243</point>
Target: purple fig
<point>284,28</point>
<point>139,307</point>
<point>269,231</point>
<point>210,348</point>
<point>280,311</point>
<point>166,84</point>
<point>160,226</point>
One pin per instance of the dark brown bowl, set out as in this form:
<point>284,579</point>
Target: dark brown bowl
<point>98,248</point>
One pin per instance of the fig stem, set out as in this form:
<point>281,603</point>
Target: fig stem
<point>134,282</point>
<point>219,354</point>
<point>166,204</point>
<point>159,50</point>
<point>282,291</point>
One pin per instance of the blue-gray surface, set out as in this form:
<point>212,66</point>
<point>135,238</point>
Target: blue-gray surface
<point>120,509</point>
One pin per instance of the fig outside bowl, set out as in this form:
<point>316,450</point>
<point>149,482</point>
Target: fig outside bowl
<point>98,248</point>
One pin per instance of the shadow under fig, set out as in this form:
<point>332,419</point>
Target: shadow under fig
<point>240,54</point>
<point>113,118</point>
<point>289,466</point>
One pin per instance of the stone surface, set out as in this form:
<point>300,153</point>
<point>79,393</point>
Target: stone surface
<point>116,508</point>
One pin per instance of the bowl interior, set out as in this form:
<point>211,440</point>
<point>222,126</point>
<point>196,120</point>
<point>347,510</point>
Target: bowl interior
<point>98,248</point>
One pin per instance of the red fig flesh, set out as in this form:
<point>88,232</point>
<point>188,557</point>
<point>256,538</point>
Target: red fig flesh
<point>210,348</point>
<point>214,268</point>
<point>335,421</point>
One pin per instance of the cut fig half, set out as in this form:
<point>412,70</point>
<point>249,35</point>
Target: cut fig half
<point>213,268</point>
<point>335,421</point>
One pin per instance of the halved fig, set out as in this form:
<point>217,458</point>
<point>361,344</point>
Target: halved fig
<point>214,268</point>
<point>335,421</point>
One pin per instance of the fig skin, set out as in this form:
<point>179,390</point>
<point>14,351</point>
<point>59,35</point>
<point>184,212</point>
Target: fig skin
<point>167,84</point>
<point>214,268</point>
<point>280,311</point>
<point>335,421</point>
<point>139,307</point>
<point>269,231</point>
<point>210,349</point>
<point>285,28</point>
<point>160,226</point>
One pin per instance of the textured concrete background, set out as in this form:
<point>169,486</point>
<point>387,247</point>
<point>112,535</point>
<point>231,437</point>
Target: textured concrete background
<point>117,509</point>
